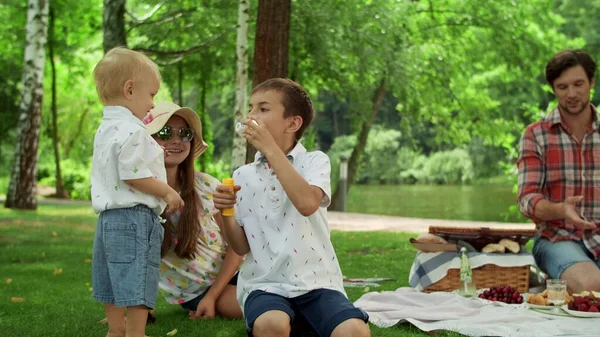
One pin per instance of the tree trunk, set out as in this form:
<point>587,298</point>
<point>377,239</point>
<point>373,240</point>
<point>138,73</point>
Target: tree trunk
<point>180,83</point>
<point>113,24</point>
<point>73,140</point>
<point>207,134</point>
<point>60,189</point>
<point>361,144</point>
<point>22,187</point>
<point>270,46</point>
<point>238,153</point>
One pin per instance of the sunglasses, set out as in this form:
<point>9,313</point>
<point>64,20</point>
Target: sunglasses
<point>167,132</point>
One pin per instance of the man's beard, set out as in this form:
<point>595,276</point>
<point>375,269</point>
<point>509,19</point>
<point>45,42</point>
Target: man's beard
<point>576,112</point>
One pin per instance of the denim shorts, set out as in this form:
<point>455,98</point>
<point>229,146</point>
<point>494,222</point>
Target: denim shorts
<point>192,305</point>
<point>555,257</point>
<point>322,309</point>
<point>126,257</point>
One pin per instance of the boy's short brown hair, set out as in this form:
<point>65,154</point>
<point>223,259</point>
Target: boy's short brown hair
<point>117,67</point>
<point>295,100</point>
<point>567,59</point>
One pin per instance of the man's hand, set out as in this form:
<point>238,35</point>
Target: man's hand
<point>205,309</point>
<point>259,136</point>
<point>224,197</point>
<point>572,217</point>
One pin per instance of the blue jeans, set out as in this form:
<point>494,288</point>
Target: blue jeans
<point>126,257</point>
<point>555,257</point>
<point>322,309</point>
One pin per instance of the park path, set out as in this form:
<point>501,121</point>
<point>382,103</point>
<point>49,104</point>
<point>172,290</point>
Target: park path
<point>368,222</point>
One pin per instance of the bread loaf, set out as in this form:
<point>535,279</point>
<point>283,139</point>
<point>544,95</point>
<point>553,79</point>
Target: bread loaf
<point>430,238</point>
<point>493,248</point>
<point>511,245</point>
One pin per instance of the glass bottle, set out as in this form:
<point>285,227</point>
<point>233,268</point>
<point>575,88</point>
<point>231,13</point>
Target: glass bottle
<point>466,286</point>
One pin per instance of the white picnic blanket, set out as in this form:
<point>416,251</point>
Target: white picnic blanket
<point>429,268</point>
<point>471,317</point>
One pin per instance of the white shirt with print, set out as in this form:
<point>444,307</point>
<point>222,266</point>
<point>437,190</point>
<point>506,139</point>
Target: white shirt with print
<point>290,254</point>
<point>124,150</point>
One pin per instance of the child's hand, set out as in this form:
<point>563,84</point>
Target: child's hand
<point>174,201</point>
<point>167,153</point>
<point>259,136</point>
<point>224,197</point>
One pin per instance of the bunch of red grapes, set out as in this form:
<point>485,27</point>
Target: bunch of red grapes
<point>585,303</point>
<point>505,294</point>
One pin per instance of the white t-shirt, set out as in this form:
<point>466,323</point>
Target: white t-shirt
<point>124,150</point>
<point>290,254</point>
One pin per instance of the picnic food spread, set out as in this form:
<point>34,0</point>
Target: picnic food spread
<point>505,294</point>
<point>585,301</point>
<point>504,245</point>
<point>542,299</point>
<point>487,239</point>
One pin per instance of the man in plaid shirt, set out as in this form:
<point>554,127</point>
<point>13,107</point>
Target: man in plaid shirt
<point>559,176</point>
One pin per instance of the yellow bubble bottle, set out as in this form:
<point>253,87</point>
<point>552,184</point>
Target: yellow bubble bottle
<point>229,183</point>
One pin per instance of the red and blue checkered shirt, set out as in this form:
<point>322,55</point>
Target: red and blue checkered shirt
<point>553,166</point>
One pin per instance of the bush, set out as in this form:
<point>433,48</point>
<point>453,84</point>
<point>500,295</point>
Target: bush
<point>449,167</point>
<point>380,162</point>
<point>218,169</point>
<point>75,175</point>
<point>385,162</point>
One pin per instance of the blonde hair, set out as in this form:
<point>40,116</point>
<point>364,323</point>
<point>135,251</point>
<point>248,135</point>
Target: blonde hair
<point>118,66</point>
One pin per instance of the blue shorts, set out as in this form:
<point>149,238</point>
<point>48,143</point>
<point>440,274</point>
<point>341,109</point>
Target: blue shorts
<point>555,257</point>
<point>126,257</point>
<point>322,309</point>
<point>192,305</point>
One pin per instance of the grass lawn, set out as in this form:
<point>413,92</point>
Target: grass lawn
<point>45,260</point>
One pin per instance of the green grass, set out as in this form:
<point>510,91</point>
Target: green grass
<point>35,244</point>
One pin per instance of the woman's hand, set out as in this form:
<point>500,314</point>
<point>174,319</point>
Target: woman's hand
<point>206,309</point>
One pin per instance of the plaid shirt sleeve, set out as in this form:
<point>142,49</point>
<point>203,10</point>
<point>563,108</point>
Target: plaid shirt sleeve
<point>531,174</point>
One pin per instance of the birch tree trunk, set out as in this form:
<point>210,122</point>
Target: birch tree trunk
<point>22,188</point>
<point>238,153</point>
<point>270,46</point>
<point>113,24</point>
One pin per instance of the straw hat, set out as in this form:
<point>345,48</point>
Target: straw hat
<point>158,117</point>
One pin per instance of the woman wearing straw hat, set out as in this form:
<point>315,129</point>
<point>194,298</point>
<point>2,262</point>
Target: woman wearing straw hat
<point>198,270</point>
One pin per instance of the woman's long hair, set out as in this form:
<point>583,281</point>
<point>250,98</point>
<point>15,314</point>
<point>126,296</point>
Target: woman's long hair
<point>187,231</point>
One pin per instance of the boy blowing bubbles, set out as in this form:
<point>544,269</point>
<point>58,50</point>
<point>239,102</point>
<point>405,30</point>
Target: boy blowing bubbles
<point>281,223</point>
<point>129,191</point>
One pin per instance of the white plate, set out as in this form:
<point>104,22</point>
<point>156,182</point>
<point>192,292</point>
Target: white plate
<point>479,291</point>
<point>581,313</point>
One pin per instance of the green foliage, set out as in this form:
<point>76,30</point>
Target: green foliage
<point>76,177</point>
<point>219,169</point>
<point>460,75</point>
<point>385,162</point>
<point>381,163</point>
<point>449,167</point>
<point>309,139</point>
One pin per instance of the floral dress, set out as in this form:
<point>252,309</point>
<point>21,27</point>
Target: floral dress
<point>183,280</point>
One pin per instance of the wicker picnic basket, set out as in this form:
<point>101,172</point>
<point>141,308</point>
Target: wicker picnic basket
<point>488,275</point>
